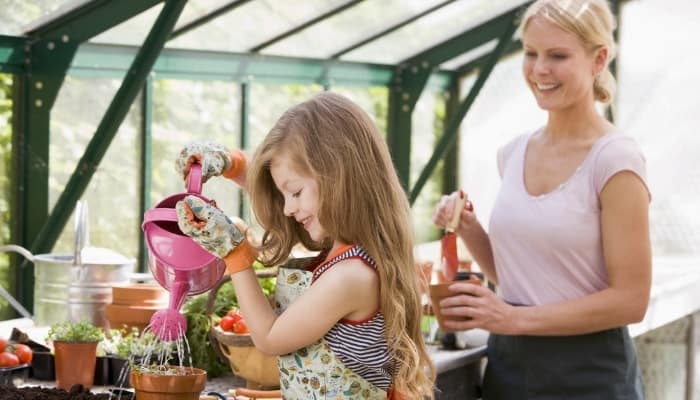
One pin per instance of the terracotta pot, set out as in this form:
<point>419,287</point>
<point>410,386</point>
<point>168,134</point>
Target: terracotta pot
<point>134,304</point>
<point>140,294</point>
<point>441,291</point>
<point>186,386</point>
<point>75,363</point>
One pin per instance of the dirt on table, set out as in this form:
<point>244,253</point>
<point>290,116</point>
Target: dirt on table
<point>77,392</point>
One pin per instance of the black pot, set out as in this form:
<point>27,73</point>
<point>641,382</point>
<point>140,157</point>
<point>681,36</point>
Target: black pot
<point>102,372</point>
<point>43,366</point>
<point>119,372</point>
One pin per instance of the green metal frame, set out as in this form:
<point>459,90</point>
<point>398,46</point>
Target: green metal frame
<point>48,54</point>
<point>410,79</point>
<point>452,127</point>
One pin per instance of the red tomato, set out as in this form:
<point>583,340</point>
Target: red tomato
<point>3,344</point>
<point>23,352</point>
<point>8,359</point>
<point>226,323</point>
<point>235,314</point>
<point>240,327</point>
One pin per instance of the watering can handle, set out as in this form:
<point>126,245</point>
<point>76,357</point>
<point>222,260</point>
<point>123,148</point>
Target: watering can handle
<point>194,179</point>
<point>17,249</point>
<point>160,214</point>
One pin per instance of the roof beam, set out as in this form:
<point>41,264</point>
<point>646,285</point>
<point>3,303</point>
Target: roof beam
<point>313,21</point>
<point>467,40</point>
<point>391,29</point>
<point>206,18</point>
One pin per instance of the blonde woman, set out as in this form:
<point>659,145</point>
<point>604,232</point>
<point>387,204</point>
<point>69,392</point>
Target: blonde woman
<point>350,322</point>
<point>568,241</point>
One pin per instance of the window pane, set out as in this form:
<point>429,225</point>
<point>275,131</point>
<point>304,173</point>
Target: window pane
<point>17,14</point>
<point>113,193</point>
<point>186,111</point>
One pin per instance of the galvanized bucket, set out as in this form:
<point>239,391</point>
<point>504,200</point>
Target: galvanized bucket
<point>75,287</point>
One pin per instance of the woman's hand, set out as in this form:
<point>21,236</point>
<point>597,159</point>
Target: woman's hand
<point>214,158</point>
<point>444,212</point>
<point>483,308</point>
<point>208,226</point>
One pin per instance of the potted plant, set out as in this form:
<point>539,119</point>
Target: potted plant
<point>134,347</point>
<point>164,382</point>
<point>75,351</point>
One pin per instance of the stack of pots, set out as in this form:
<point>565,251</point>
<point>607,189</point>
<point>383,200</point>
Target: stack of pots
<point>134,304</point>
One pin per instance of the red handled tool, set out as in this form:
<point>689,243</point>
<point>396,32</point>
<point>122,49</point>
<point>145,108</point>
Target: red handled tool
<point>450,261</point>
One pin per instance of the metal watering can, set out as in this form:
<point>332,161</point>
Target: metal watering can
<point>178,263</point>
<point>74,286</point>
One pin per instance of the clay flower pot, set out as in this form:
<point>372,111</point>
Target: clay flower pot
<point>134,304</point>
<point>75,363</point>
<point>171,383</point>
<point>441,291</point>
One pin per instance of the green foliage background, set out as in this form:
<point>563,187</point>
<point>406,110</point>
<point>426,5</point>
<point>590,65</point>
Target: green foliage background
<point>6,311</point>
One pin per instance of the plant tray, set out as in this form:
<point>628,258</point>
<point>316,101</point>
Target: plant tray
<point>14,375</point>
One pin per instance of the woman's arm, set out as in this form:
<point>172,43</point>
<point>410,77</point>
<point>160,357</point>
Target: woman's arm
<point>627,254</point>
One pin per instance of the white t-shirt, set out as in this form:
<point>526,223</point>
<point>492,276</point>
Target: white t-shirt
<point>548,248</point>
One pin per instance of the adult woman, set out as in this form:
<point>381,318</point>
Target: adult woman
<point>568,242</point>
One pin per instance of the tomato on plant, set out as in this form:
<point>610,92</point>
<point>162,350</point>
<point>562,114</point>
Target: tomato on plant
<point>240,327</point>
<point>8,359</point>
<point>23,352</point>
<point>226,323</point>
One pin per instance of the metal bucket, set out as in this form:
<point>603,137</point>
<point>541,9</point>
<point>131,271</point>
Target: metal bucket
<point>75,287</point>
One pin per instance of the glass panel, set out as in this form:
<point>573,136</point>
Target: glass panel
<point>341,30</point>
<point>656,107</point>
<point>374,100</point>
<point>430,30</point>
<point>132,31</point>
<point>251,24</point>
<point>113,193</point>
<point>15,15</point>
<point>427,127</point>
<point>6,311</point>
<point>186,111</point>
<point>471,55</point>
<point>195,9</point>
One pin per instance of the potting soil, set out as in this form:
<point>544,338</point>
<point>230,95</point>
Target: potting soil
<point>77,392</point>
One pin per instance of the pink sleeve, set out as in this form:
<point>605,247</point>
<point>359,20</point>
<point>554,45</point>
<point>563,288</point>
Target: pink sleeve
<point>619,154</point>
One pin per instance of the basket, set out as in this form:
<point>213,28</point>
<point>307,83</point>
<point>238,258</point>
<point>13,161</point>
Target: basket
<point>259,370</point>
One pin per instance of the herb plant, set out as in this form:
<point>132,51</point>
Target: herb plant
<point>75,332</point>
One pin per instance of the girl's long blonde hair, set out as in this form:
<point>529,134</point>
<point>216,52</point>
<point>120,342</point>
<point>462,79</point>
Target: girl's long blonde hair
<point>361,202</point>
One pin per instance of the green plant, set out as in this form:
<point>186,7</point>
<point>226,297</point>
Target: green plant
<point>144,345</point>
<point>75,332</point>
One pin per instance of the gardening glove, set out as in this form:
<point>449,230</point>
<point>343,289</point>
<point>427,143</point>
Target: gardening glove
<point>214,158</point>
<point>215,232</point>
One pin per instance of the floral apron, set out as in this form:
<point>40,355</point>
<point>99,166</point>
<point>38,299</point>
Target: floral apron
<point>315,372</point>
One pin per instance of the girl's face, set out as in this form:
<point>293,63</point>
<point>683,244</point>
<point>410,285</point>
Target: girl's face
<point>557,68</point>
<point>300,194</point>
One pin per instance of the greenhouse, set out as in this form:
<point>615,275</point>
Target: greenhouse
<point>98,97</point>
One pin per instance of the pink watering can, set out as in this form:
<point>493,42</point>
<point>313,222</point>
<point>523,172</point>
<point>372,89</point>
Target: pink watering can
<point>178,263</point>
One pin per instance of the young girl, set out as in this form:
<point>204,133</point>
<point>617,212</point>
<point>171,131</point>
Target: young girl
<point>350,323</point>
<point>568,241</point>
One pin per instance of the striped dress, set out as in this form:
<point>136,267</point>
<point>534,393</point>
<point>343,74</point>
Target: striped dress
<point>360,345</point>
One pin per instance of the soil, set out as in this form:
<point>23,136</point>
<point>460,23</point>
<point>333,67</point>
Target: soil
<point>77,392</point>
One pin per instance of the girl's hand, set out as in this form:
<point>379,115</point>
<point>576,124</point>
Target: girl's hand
<point>445,208</point>
<point>214,158</point>
<point>483,308</point>
<point>208,226</point>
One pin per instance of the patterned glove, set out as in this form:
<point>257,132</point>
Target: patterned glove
<point>215,159</point>
<point>208,226</point>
